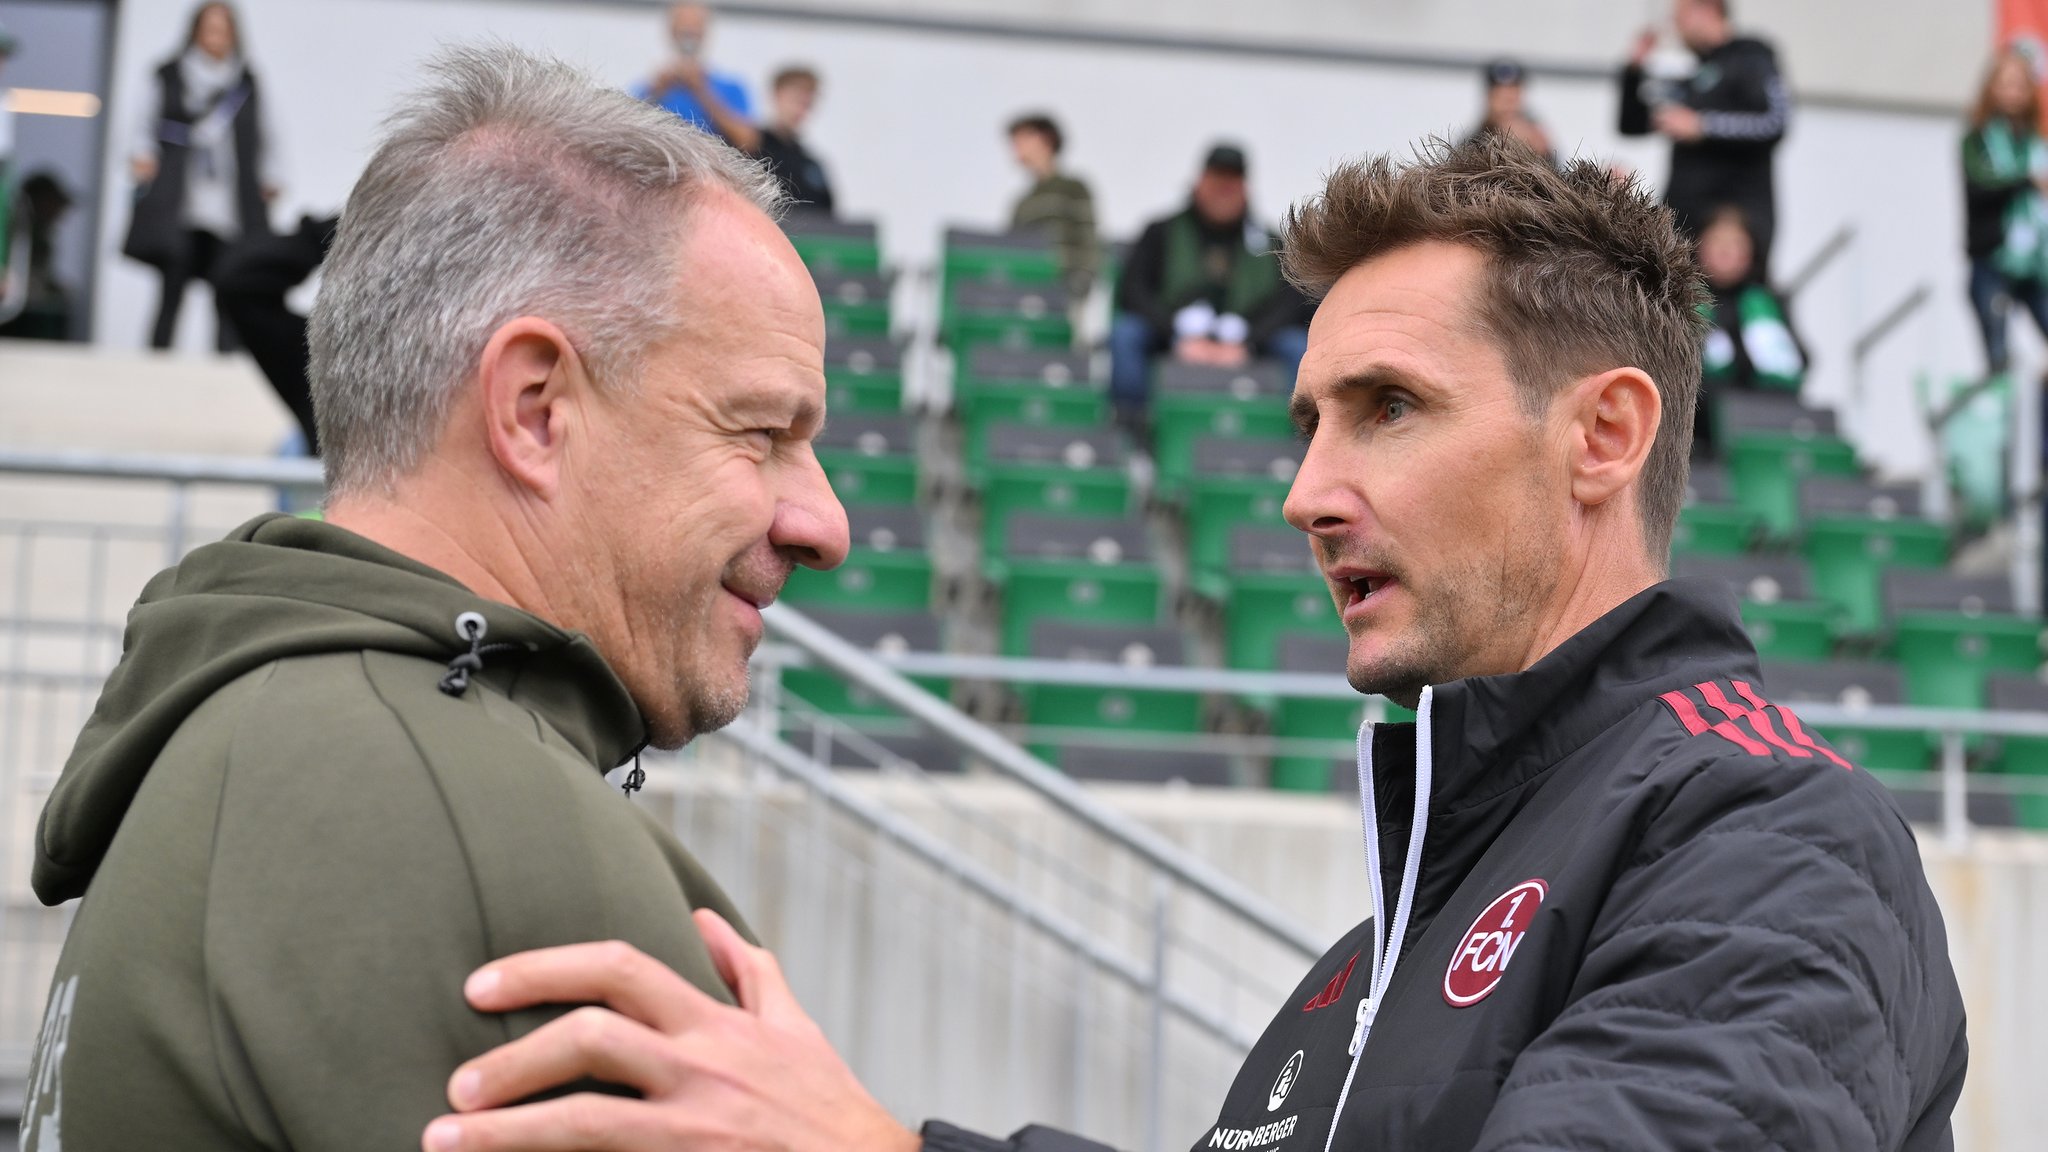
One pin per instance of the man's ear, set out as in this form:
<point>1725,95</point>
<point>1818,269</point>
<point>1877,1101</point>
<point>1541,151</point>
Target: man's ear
<point>531,385</point>
<point>1616,415</point>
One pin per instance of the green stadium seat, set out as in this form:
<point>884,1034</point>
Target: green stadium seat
<point>1063,471</point>
<point>870,458</point>
<point>1235,482</point>
<point>1053,387</point>
<point>863,374</point>
<point>1854,685</point>
<point>1710,521</point>
<point>1107,709</point>
<point>1192,401</point>
<point>1270,590</point>
<point>1298,718</point>
<point>1025,257</point>
<point>834,246</point>
<point>1856,530</point>
<point>1093,568</point>
<point>1778,611</point>
<point>1004,314</point>
<point>1952,633</point>
<point>856,303</point>
<point>1772,443</point>
<point>2023,755</point>
<point>887,568</point>
<point>883,632</point>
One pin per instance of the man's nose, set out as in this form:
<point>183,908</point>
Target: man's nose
<point>810,524</point>
<point>1316,502</point>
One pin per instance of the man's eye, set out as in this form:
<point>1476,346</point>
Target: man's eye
<point>1394,408</point>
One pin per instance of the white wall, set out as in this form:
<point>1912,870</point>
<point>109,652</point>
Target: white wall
<point>910,124</point>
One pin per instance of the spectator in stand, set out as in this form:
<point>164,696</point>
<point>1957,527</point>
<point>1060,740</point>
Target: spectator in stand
<point>45,312</point>
<point>203,163</point>
<point>1507,114</point>
<point>1750,343</point>
<point>791,97</point>
<point>1724,122</point>
<point>2005,168</point>
<point>1057,202</point>
<point>252,281</point>
<point>1205,284</point>
<point>688,87</point>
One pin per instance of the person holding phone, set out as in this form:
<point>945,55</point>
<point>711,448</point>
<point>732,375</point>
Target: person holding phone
<point>688,87</point>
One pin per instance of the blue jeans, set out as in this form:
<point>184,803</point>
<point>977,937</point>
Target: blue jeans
<point>1133,342</point>
<point>1992,293</point>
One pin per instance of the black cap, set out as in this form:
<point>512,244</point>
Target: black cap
<point>1503,72</point>
<point>1225,158</point>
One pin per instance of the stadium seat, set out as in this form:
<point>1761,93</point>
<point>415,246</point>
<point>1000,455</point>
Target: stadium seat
<point>888,632</point>
<point>863,375</point>
<point>1107,709</point>
<point>1235,482</point>
<point>1094,568</point>
<point>1025,257</point>
<point>905,739</point>
<point>1710,520</point>
<point>1148,766</point>
<point>1190,401</point>
<point>1064,471</point>
<point>2022,755</point>
<point>834,246</point>
<point>1772,443</point>
<point>856,303</point>
<point>1297,718</point>
<point>1007,315</point>
<point>871,458</point>
<point>887,566</point>
<point>1854,685</point>
<point>1854,531</point>
<point>1778,611</point>
<point>1271,588</point>
<point>1023,386</point>
<point>1953,632</point>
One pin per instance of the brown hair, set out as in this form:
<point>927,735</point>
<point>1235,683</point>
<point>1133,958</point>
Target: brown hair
<point>1586,274</point>
<point>199,17</point>
<point>1982,111</point>
<point>794,74</point>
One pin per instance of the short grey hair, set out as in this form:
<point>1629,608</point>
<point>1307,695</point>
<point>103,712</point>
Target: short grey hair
<point>510,185</point>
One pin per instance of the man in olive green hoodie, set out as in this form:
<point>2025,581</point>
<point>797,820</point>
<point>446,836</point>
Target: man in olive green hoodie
<point>567,373</point>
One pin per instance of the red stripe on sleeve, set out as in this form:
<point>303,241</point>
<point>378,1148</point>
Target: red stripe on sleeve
<point>1798,731</point>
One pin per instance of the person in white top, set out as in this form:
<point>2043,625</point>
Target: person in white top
<point>201,162</point>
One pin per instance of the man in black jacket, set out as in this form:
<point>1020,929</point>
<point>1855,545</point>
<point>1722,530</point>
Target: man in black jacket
<point>1620,899</point>
<point>1724,122</point>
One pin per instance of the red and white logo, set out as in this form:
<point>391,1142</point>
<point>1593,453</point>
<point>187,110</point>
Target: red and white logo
<point>1484,951</point>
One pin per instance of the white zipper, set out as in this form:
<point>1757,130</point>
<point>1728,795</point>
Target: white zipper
<point>1386,941</point>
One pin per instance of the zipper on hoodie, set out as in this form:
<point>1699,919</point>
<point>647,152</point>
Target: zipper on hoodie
<point>1386,937</point>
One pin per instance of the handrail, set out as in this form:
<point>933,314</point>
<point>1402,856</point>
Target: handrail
<point>978,740</point>
<point>283,472</point>
<point>1817,263</point>
<point>1312,686</point>
<point>794,764</point>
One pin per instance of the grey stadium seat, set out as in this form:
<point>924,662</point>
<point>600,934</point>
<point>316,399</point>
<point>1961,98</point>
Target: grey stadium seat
<point>885,527</point>
<point>1315,655</point>
<point>1258,548</point>
<point>1920,590</point>
<point>850,288</point>
<point>1002,298</point>
<point>1139,647</point>
<point>1772,412</point>
<point>1763,579</point>
<point>882,631</point>
<point>1254,380</point>
<point>1844,496</point>
<point>863,356</point>
<point>1100,539</point>
<point>2017,694</point>
<point>1708,484</point>
<point>1052,368</point>
<point>809,223</point>
<point>1022,240</point>
<point>1235,456</point>
<point>1077,448</point>
<point>1850,683</point>
<point>1147,765</point>
<point>870,435</point>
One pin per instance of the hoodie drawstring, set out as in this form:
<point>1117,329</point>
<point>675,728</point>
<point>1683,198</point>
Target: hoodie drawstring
<point>1386,942</point>
<point>471,626</point>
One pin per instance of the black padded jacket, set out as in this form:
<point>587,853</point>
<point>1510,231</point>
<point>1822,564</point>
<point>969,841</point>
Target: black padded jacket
<point>1651,910</point>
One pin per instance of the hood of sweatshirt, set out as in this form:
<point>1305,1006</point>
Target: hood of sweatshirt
<point>280,587</point>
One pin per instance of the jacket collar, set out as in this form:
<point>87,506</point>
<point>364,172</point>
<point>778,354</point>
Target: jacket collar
<point>1493,733</point>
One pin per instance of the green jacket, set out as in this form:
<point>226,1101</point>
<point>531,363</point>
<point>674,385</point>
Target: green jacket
<point>1065,208</point>
<point>293,846</point>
